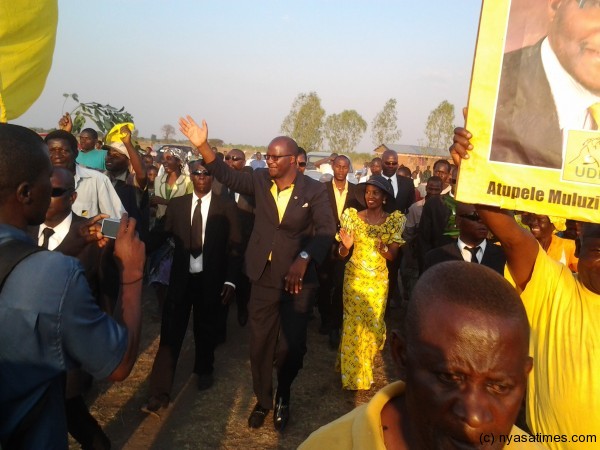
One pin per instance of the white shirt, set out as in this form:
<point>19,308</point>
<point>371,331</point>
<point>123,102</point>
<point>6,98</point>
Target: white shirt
<point>394,179</point>
<point>60,232</point>
<point>466,254</point>
<point>95,194</point>
<point>572,100</point>
<point>196,264</point>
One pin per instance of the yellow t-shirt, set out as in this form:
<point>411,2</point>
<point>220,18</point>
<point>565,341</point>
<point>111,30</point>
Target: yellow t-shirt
<point>563,251</point>
<point>360,429</point>
<point>564,385</point>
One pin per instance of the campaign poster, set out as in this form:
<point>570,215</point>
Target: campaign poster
<point>534,109</point>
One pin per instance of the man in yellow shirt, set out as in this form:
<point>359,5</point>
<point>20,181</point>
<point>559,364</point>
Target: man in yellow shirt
<point>563,398</point>
<point>464,358</point>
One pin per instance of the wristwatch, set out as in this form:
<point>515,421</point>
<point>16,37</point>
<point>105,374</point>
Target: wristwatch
<point>304,255</point>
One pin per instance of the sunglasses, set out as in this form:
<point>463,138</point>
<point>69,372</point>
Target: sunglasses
<point>59,192</point>
<point>302,164</point>
<point>275,158</point>
<point>233,158</point>
<point>201,173</point>
<point>473,216</point>
<point>391,163</point>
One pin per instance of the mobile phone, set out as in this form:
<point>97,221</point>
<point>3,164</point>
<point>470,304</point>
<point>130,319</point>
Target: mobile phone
<point>110,228</point>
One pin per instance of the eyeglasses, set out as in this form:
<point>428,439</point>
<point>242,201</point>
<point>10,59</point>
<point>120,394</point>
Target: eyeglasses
<point>391,163</point>
<point>473,216</point>
<point>275,158</point>
<point>233,158</point>
<point>200,173</point>
<point>59,192</point>
<point>589,4</point>
<point>302,164</point>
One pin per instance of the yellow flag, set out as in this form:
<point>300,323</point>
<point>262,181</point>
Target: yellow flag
<point>27,37</point>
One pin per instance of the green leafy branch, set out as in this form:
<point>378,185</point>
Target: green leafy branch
<point>104,116</point>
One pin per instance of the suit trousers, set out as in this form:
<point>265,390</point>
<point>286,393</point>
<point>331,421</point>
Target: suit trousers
<point>330,293</point>
<point>278,321</point>
<point>203,297</point>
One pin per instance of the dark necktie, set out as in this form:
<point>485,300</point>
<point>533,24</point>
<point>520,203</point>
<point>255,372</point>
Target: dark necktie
<point>196,237</point>
<point>47,232</point>
<point>473,251</point>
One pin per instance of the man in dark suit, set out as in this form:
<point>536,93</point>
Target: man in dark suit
<point>236,159</point>
<point>293,230</point>
<point>471,244</point>
<point>331,273</point>
<point>549,87</point>
<point>404,193</point>
<point>204,273</point>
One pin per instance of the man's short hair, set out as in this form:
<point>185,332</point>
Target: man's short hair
<point>444,162</point>
<point>23,156</point>
<point>434,179</point>
<point>65,135</point>
<point>342,157</point>
<point>301,151</point>
<point>91,132</point>
<point>405,171</point>
<point>465,284</point>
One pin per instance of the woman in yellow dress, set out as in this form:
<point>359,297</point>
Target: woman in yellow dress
<point>376,237</point>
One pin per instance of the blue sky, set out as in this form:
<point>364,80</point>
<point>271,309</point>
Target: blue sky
<point>240,64</point>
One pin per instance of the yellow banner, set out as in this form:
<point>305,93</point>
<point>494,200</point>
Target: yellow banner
<point>536,76</point>
<point>27,37</point>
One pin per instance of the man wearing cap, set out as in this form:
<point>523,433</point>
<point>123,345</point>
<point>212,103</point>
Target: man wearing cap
<point>120,157</point>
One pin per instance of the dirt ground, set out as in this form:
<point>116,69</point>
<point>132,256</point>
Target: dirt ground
<point>217,418</point>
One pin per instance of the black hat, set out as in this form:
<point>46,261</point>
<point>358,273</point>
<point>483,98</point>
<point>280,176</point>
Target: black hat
<point>377,181</point>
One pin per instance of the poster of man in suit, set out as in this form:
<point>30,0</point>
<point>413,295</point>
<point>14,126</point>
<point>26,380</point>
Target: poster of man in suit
<point>534,107</point>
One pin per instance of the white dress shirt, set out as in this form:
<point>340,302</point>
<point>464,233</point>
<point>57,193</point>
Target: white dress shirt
<point>60,232</point>
<point>196,264</point>
<point>466,254</point>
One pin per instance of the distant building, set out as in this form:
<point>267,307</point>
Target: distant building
<point>413,155</point>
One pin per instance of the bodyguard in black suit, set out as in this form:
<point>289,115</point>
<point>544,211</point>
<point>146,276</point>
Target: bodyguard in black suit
<point>293,230</point>
<point>404,193</point>
<point>342,195</point>
<point>206,267</point>
<point>471,245</point>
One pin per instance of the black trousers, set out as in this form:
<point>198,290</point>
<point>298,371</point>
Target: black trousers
<point>202,297</point>
<point>330,293</point>
<point>278,322</point>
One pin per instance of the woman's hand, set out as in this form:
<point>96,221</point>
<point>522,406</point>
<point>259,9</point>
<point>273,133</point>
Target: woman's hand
<point>346,238</point>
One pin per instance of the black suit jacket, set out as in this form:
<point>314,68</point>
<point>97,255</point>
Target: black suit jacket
<point>405,196</point>
<point>307,224</point>
<point>221,246</point>
<point>526,129</point>
<point>493,257</point>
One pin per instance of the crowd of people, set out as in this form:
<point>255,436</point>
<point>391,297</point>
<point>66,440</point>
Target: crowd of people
<point>498,313</point>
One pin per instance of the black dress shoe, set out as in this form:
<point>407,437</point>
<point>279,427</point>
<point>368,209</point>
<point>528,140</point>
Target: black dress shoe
<point>156,403</point>
<point>257,416</point>
<point>281,414</point>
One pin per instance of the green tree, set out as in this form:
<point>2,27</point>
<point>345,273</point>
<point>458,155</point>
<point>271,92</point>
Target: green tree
<point>104,116</point>
<point>167,131</point>
<point>439,129</point>
<point>344,131</point>
<point>384,128</point>
<point>304,123</point>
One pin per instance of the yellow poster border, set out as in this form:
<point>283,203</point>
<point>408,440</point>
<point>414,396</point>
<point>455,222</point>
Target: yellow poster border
<point>510,186</point>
